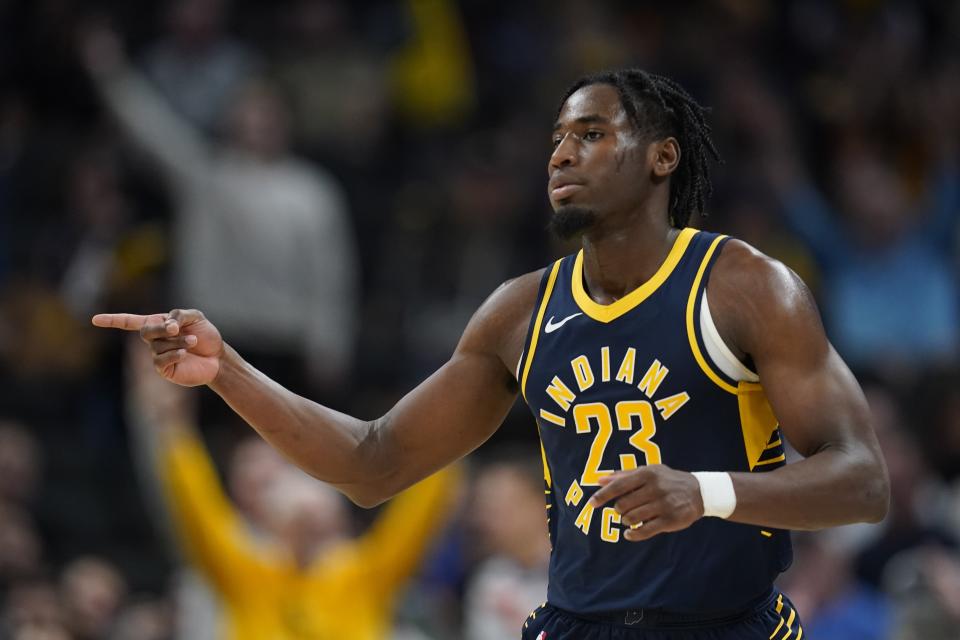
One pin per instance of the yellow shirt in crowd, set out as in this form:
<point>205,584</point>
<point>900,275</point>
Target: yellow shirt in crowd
<point>348,593</point>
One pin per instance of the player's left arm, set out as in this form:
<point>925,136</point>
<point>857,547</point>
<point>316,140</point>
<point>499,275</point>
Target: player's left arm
<point>763,309</point>
<point>771,315</point>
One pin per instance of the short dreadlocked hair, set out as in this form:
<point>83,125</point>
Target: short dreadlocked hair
<point>659,107</point>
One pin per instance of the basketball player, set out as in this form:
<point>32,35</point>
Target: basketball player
<point>665,367</point>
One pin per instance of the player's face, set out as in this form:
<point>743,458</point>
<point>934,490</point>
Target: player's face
<point>599,159</point>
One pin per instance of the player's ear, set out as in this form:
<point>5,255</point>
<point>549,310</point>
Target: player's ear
<point>664,156</point>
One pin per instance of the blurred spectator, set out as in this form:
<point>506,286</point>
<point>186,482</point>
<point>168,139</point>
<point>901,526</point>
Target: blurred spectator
<point>253,471</point>
<point>875,243</point>
<point>337,86</point>
<point>99,217</point>
<point>939,426</point>
<point>98,253</point>
<point>311,579</point>
<point>835,605</point>
<point>144,620</point>
<point>92,253</point>
<point>13,116</point>
<point>20,464</point>
<point>918,516</point>
<point>435,117</point>
<point>195,66</point>
<point>21,552</point>
<point>432,75</point>
<point>913,559</point>
<point>263,241</point>
<point>507,513</point>
<point>749,216</point>
<point>91,592</point>
<point>925,585</point>
<point>46,347</point>
<point>254,468</point>
<point>20,545</point>
<point>32,611</point>
<point>477,215</point>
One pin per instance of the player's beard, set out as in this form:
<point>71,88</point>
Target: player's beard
<point>571,220</point>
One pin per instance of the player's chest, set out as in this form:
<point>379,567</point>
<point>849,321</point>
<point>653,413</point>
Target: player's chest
<point>617,396</point>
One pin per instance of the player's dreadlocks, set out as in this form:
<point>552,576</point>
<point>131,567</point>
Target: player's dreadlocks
<point>658,107</point>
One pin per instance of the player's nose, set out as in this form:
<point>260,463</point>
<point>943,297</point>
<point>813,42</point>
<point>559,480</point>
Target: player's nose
<point>564,154</point>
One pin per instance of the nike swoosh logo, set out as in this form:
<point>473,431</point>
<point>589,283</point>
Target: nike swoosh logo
<point>551,326</point>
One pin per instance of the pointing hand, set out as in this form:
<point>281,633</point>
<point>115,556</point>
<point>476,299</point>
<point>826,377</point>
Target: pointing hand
<point>186,346</point>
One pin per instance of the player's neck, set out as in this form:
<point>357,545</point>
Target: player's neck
<point>618,260</point>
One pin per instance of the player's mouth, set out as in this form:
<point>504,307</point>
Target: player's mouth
<point>562,189</point>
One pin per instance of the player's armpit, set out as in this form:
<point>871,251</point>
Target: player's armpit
<point>460,406</point>
<point>764,310</point>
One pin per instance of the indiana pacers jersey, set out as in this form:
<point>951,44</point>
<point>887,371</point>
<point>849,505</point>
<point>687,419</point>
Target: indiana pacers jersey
<point>627,384</point>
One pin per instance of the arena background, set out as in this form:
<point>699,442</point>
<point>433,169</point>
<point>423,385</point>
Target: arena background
<point>144,165</point>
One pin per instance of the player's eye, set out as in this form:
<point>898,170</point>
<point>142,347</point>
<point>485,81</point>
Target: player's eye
<point>556,141</point>
<point>593,135</point>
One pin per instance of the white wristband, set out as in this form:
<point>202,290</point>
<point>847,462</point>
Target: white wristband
<point>716,489</point>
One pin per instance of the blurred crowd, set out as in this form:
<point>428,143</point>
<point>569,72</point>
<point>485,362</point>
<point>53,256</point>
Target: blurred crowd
<point>338,186</point>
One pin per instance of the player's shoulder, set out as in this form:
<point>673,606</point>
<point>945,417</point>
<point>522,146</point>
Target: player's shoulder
<point>753,294</point>
<point>500,324</point>
<point>523,285</point>
<point>515,298</point>
<point>744,272</point>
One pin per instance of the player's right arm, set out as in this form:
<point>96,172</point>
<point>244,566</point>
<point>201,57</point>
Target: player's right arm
<point>448,415</point>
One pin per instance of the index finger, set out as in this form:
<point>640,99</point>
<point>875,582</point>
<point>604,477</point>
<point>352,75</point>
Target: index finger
<point>125,321</point>
<point>615,485</point>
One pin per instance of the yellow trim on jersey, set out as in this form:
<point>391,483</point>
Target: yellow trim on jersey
<point>793,615</point>
<point>779,626</point>
<point>552,417</point>
<point>612,311</point>
<point>551,280</point>
<point>691,334</point>
<point>547,291</point>
<point>546,468</point>
<point>756,421</point>
<point>546,478</point>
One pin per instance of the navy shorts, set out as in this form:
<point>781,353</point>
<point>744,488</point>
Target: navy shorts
<point>772,618</point>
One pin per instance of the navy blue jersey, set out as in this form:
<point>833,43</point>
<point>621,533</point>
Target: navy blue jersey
<point>626,384</point>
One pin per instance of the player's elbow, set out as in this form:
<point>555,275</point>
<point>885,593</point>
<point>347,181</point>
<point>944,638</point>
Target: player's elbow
<point>875,491</point>
<point>369,493</point>
<point>365,497</point>
<point>379,477</point>
<point>878,497</point>
<point>373,490</point>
